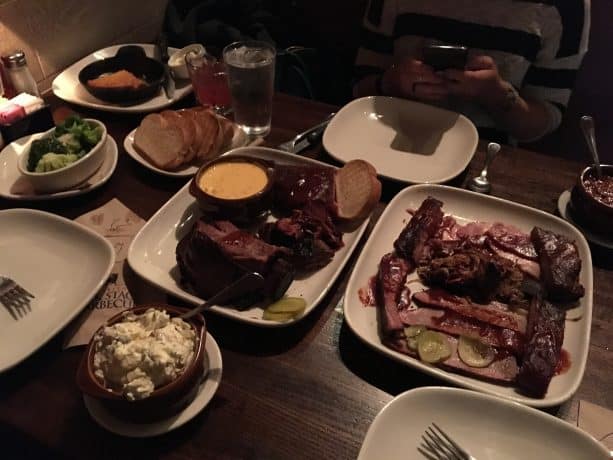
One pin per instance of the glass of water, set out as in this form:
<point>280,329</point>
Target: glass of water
<point>250,66</point>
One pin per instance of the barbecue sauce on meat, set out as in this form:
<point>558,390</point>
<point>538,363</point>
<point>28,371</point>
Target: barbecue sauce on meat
<point>422,226</point>
<point>560,265</point>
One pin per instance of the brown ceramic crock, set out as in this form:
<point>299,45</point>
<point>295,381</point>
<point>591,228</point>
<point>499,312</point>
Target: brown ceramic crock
<point>242,210</point>
<point>595,215</point>
<point>164,401</point>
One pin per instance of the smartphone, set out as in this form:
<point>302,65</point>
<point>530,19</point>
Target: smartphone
<point>441,57</point>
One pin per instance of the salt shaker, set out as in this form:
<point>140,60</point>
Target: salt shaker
<point>19,74</point>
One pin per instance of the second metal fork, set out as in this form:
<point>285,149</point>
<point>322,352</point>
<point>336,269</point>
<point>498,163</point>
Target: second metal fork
<point>437,445</point>
<point>14,297</point>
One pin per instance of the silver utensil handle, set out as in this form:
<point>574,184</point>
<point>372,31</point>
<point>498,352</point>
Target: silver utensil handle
<point>587,126</point>
<point>492,150</point>
<point>313,129</point>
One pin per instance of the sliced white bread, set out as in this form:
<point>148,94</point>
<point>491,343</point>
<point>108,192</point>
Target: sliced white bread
<point>160,141</point>
<point>188,133</point>
<point>210,131</point>
<point>357,191</point>
<point>227,128</point>
<point>190,119</point>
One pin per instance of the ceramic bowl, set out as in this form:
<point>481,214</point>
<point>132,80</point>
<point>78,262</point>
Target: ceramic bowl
<point>177,63</point>
<point>596,215</point>
<point>163,402</point>
<point>241,210</point>
<point>133,59</point>
<point>71,175</point>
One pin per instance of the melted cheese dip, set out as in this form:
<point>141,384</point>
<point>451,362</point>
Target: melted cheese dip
<point>233,180</point>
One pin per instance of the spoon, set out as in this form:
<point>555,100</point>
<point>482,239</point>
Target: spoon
<point>587,126</point>
<point>480,183</point>
<point>249,282</point>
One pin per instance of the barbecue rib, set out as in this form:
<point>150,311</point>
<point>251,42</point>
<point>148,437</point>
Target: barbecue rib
<point>422,226</point>
<point>560,265</point>
<point>545,336</point>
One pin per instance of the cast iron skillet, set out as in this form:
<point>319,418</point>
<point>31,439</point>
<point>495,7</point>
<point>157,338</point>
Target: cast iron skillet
<point>133,59</point>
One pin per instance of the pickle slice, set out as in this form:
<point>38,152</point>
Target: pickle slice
<point>475,353</point>
<point>271,316</point>
<point>284,309</point>
<point>287,305</point>
<point>411,333</point>
<point>433,347</point>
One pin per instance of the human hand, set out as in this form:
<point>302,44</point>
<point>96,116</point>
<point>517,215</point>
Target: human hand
<point>479,81</point>
<point>414,80</point>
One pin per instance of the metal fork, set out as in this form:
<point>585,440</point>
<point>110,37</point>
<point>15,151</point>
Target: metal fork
<point>14,297</point>
<point>437,445</point>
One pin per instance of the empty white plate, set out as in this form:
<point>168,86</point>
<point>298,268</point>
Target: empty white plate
<point>14,186</point>
<point>208,387</point>
<point>61,262</point>
<point>68,87</point>
<point>469,206</point>
<point>404,140</point>
<point>489,428</point>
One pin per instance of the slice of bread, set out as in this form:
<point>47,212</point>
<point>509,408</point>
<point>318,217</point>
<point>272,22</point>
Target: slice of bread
<point>188,133</point>
<point>190,119</point>
<point>159,141</point>
<point>210,130</point>
<point>357,191</point>
<point>227,128</point>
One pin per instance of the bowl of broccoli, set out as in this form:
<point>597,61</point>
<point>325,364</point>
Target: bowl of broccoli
<point>65,155</point>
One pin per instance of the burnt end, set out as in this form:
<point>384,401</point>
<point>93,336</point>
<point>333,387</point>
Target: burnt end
<point>545,336</point>
<point>295,186</point>
<point>422,226</point>
<point>213,255</point>
<point>560,265</point>
<point>308,233</point>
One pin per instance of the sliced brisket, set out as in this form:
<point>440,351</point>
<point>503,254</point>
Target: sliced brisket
<point>295,186</point>
<point>213,255</point>
<point>391,276</point>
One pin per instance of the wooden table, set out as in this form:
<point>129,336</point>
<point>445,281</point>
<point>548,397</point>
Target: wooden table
<point>307,391</point>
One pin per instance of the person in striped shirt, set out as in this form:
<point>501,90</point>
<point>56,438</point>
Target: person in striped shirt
<point>522,62</point>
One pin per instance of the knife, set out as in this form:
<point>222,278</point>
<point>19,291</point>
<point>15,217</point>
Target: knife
<point>306,138</point>
<point>168,83</point>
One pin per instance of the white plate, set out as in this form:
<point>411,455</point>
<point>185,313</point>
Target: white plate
<point>152,252</point>
<point>488,428</point>
<point>14,186</point>
<point>404,140</point>
<point>61,262</point>
<point>68,87</point>
<point>563,203</point>
<point>465,205</point>
<point>208,387</point>
<point>238,140</point>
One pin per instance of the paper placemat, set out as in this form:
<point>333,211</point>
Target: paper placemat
<point>597,421</point>
<point>119,225</point>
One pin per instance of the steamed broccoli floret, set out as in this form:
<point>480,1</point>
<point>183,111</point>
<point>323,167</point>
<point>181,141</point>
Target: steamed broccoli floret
<point>41,147</point>
<point>72,143</point>
<point>87,135</point>
<point>52,161</point>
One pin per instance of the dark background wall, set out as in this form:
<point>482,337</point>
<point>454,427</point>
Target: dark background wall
<point>332,29</point>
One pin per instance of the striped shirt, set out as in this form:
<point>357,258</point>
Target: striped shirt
<point>538,46</point>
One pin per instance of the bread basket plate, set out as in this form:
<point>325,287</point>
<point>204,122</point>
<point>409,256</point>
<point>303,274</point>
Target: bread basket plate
<point>467,206</point>
<point>239,139</point>
<point>404,140</point>
<point>66,85</point>
<point>152,252</point>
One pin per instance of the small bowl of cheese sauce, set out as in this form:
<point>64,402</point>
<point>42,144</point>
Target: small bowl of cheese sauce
<point>236,188</point>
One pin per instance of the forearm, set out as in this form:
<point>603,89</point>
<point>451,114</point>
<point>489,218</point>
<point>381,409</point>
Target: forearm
<point>525,119</point>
